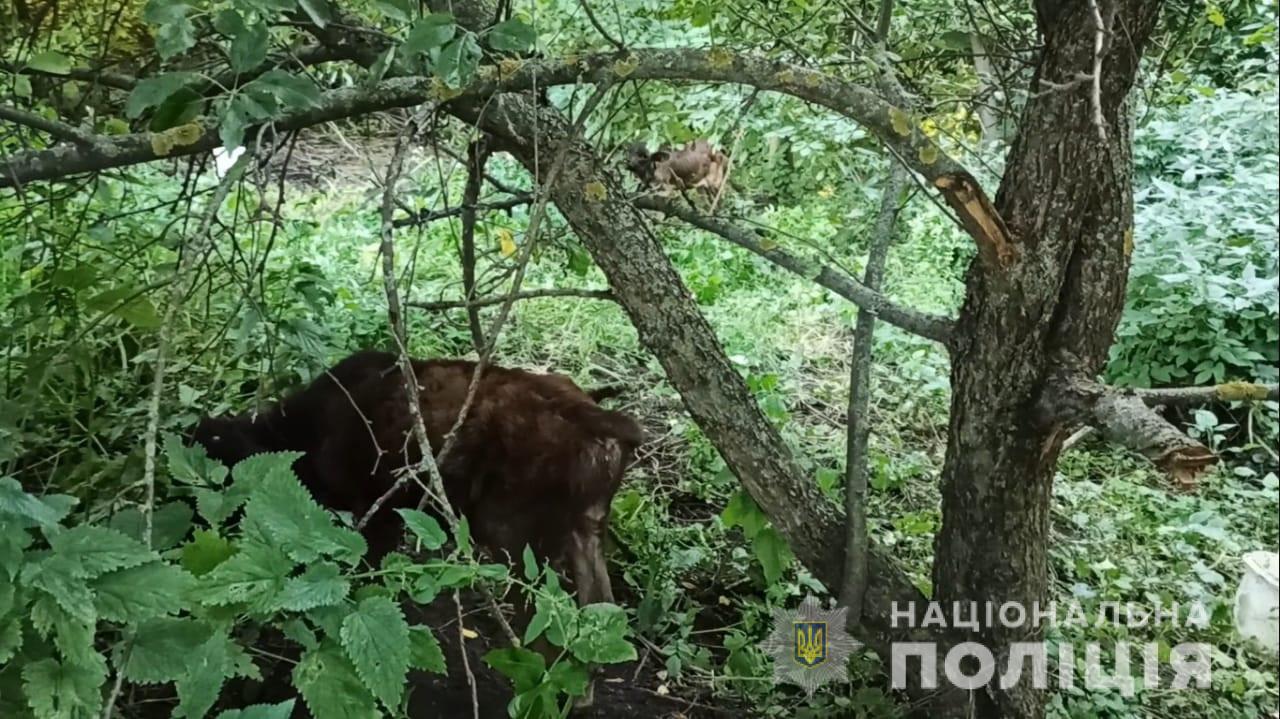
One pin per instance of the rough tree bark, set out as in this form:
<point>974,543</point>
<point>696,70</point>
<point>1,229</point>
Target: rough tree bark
<point>1067,201</point>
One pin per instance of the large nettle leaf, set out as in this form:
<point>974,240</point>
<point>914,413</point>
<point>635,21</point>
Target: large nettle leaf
<point>255,576</point>
<point>282,513</point>
<point>24,510</point>
<point>72,633</point>
<point>321,585</point>
<point>64,689</point>
<point>260,711</point>
<point>425,652</point>
<point>330,687</point>
<point>162,647</point>
<point>140,593</point>
<point>95,550</point>
<point>376,639</point>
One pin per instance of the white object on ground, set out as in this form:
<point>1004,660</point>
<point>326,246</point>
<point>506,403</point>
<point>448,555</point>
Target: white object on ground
<point>224,159</point>
<point>1257,611</point>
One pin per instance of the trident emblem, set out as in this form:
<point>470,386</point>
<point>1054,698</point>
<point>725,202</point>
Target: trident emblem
<point>810,643</point>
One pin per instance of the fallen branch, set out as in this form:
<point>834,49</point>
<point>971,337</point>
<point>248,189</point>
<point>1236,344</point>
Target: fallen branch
<point>1128,421</point>
<point>524,295</point>
<point>934,327</point>
<point>1193,396</point>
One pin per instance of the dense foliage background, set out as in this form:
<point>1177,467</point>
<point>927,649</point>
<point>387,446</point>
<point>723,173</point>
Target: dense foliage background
<point>292,284</point>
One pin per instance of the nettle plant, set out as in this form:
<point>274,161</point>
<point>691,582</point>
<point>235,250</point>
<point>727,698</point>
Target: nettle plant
<point>87,609</point>
<point>1202,301</point>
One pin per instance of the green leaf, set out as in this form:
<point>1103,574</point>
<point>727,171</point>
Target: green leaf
<point>64,690</point>
<point>152,91</point>
<point>530,563</point>
<point>602,635</point>
<point>772,551</point>
<point>742,511</point>
<point>376,639</point>
<point>282,710</point>
<point>424,527</point>
<point>17,504</point>
<point>458,61</point>
<point>72,632</point>
<point>205,552</point>
<point>50,61</point>
<point>330,687</point>
<point>206,671</point>
<point>162,648</point>
<point>13,540</point>
<point>462,536</point>
<point>191,464</point>
<point>11,638</point>
<point>321,585</point>
<point>64,581</point>
<point>139,312</point>
<point>174,38</point>
<point>98,549</point>
<point>429,33</point>
<point>294,92</point>
<point>425,652</point>
<point>282,512</point>
<point>169,524</point>
<point>249,47</point>
<point>296,630</point>
<point>318,11</point>
<point>512,36</point>
<point>395,9</point>
<point>179,108</point>
<point>570,678</point>
<point>140,593</point>
<point>254,576</point>
<point>523,667</point>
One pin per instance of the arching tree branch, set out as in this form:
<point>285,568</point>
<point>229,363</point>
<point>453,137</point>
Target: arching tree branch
<point>894,126</point>
<point>934,327</point>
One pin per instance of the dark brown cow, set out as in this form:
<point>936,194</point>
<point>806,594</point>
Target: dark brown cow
<point>537,461</point>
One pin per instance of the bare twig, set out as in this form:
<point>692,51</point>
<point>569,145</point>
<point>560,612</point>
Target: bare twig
<point>1077,437</point>
<point>194,250</point>
<point>858,425</point>
<point>1099,42</point>
<point>524,295</point>
<point>591,17</point>
<point>424,218</point>
<point>477,155</point>
<point>434,489</point>
<point>466,662</point>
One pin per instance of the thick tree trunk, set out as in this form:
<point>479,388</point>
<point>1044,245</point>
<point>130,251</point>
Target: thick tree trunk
<point>1067,201</point>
